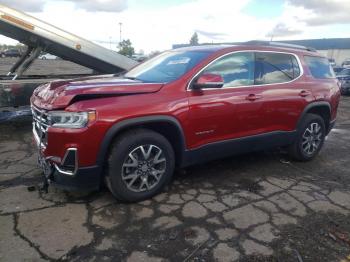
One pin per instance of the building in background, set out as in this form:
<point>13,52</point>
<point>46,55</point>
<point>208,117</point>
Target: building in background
<point>336,48</point>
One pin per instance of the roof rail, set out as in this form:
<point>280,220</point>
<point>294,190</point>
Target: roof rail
<point>280,44</point>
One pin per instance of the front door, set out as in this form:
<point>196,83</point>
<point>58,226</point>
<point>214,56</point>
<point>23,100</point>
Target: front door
<point>232,111</point>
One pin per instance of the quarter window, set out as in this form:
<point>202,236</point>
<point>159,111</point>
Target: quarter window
<point>271,68</point>
<point>319,67</point>
<point>236,69</point>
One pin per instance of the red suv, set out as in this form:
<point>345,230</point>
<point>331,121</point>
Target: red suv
<point>181,108</point>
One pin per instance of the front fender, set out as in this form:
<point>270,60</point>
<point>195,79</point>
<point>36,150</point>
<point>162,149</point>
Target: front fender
<point>135,122</point>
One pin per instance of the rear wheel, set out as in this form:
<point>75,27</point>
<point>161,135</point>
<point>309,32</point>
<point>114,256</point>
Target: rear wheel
<point>140,164</point>
<point>310,138</point>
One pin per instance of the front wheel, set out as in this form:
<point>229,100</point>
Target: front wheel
<point>140,164</point>
<point>310,138</point>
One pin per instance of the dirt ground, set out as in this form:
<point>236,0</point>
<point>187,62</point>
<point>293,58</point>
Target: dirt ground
<point>255,207</point>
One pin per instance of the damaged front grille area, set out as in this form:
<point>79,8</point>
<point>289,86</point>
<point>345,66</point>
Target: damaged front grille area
<point>41,123</point>
<point>40,126</point>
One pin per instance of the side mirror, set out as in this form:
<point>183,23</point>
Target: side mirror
<point>208,80</point>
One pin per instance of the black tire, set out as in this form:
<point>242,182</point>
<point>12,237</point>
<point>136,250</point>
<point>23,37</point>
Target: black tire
<point>297,149</point>
<point>120,153</point>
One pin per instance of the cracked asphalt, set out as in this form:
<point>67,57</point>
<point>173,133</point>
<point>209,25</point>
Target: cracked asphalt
<point>254,207</point>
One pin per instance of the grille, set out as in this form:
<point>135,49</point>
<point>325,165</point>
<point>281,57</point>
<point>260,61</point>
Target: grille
<point>40,126</point>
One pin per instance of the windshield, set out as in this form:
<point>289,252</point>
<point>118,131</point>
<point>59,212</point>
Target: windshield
<point>167,66</point>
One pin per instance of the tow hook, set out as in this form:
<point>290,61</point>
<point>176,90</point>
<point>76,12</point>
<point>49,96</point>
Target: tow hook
<point>45,186</point>
<point>48,172</point>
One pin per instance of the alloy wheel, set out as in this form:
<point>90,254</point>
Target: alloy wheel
<point>312,138</point>
<point>143,168</point>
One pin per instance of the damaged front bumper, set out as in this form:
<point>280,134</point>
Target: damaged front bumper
<point>69,178</point>
<point>63,172</point>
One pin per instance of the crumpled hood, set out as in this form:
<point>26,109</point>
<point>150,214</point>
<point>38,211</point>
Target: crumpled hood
<point>59,94</point>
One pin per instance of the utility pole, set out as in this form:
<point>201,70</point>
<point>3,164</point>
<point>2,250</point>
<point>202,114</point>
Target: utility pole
<point>120,32</point>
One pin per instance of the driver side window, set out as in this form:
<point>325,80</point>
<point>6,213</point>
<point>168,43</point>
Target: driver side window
<point>236,69</point>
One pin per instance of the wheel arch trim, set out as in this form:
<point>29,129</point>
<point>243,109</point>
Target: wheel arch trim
<point>316,105</point>
<point>138,122</point>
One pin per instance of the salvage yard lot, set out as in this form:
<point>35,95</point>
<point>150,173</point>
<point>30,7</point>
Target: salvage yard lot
<point>45,67</point>
<point>255,207</point>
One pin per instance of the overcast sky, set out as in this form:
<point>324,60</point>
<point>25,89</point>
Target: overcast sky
<point>157,24</point>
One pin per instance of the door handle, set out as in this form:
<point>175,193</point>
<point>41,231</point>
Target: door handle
<point>304,93</point>
<point>253,97</point>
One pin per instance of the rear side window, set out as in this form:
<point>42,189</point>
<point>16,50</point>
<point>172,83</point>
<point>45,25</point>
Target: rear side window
<point>319,67</point>
<point>271,68</point>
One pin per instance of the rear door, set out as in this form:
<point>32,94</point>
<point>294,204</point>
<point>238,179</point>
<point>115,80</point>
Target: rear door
<point>278,77</point>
